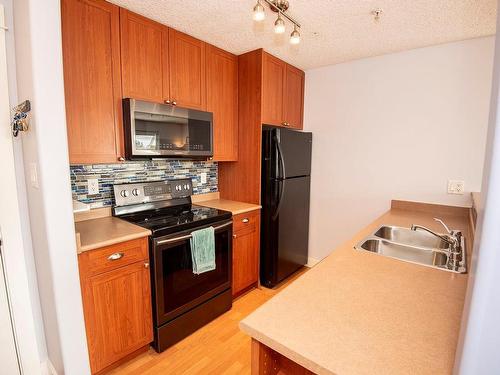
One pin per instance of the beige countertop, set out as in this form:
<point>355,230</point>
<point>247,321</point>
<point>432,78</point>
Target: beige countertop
<point>227,205</point>
<point>360,313</point>
<point>94,233</point>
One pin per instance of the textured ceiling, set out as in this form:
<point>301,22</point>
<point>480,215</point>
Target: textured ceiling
<point>333,31</point>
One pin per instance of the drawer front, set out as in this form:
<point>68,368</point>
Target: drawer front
<point>247,222</point>
<point>111,257</point>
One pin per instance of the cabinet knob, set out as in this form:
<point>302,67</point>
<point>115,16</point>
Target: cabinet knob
<point>146,265</point>
<point>234,235</point>
<point>174,102</point>
<point>245,220</point>
<point>121,158</point>
<point>115,256</point>
<point>167,101</point>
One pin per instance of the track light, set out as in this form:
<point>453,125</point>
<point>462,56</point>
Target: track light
<point>279,25</point>
<point>295,36</point>
<point>258,12</point>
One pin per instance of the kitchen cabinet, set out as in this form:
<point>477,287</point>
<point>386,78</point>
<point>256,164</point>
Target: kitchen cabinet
<point>246,247</point>
<point>144,53</point>
<point>222,100</point>
<point>282,93</point>
<point>187,70</point>
<point>92,80</point>
<point>116,295</point>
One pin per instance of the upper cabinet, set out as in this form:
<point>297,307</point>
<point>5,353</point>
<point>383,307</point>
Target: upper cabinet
<point>222,100</point>
<point>144,53</point>
<point>92,80</point>
<point>282,93</point>
<point>187,70</point>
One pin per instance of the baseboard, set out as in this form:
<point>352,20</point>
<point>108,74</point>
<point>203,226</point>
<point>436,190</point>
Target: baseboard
<point>48,368</point>
<point>311,262</point>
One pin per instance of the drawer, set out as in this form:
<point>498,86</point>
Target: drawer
<point>246,222</point>
<point>111,257</point>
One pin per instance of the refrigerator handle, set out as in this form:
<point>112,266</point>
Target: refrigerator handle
<point>280,199</point>
<point>280,157</point>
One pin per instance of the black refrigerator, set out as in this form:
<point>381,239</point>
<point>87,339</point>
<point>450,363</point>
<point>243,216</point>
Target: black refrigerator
<point>286,169</point>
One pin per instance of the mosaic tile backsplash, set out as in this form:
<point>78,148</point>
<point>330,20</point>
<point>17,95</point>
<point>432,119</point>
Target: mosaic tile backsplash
<point>138,171</point>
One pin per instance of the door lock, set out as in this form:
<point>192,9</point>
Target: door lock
<point>20,121</point>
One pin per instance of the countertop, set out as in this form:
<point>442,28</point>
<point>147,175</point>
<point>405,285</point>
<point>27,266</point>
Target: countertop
<point>95,233</point>
<point>357,312</point>
<point>227,205</point>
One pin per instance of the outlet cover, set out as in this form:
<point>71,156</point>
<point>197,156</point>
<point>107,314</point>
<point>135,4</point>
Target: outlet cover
<point>93,186</point>
<point>203,177</point>
<point>456,187</point>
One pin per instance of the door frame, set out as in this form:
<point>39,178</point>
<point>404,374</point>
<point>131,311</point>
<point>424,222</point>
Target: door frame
<point>19,280</point>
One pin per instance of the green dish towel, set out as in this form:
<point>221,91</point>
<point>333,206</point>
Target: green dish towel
<point>203,250</point>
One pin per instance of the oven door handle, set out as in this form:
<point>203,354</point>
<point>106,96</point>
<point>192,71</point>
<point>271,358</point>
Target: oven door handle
<point>185,237</point>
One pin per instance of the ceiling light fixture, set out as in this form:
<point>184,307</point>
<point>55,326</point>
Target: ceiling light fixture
<point>280,7</point>
<point>258,12</point>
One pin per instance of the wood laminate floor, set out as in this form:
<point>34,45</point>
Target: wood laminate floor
<point>217,348</point>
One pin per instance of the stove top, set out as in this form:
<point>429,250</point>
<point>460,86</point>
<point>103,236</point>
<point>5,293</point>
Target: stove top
<point>174,219</point>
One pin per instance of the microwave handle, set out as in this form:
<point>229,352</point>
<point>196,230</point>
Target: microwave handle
<point>185,237</point>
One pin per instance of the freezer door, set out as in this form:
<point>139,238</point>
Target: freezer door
<point>295,149</point>
<point>285,230</point>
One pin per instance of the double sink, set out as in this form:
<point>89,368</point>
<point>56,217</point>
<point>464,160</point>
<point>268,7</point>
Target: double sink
<point>418,245</point>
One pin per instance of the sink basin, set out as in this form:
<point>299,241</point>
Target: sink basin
<point>410,237</point>
<point>407,253</point>
<point>415,246</point>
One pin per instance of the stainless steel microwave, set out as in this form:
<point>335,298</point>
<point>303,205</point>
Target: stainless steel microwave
<point>155,130</point>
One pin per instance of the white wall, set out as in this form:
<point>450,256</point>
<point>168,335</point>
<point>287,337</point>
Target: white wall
<point>396,126</point>
<point>40,79</point>
<point>477,352</point>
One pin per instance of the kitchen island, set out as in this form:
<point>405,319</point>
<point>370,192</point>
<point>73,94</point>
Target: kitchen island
<point>361,313</point>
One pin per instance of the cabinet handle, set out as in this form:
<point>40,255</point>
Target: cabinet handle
<point>115,256</point>
<point>167,101</point>
<point>121,158</point>
<point>245,220</point>
<point>146,265</point>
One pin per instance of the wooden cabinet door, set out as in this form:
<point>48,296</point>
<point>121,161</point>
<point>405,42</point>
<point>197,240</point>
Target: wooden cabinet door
<point>117,308</point>
<point>294,97</point>
<point>273,80</point>
<point>246,248</point>
<point>222,100</point>
<point>144,48</point>
<point>92,81</point>
<point>187,70</point>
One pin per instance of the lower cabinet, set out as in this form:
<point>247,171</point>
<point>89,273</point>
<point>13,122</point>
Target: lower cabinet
<point>246,249</point>
<point>116,293</point>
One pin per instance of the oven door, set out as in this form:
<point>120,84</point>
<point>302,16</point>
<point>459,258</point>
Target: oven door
<point>158,130</point>
<point>176,289</point>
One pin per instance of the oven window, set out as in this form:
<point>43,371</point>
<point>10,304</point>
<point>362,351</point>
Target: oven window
<point>154,132</point>
<point>180,284</point>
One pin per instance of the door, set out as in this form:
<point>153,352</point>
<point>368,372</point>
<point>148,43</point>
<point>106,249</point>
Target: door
<point>273,79</point>
<point>176,288</point>
<point>187,70</point>
<point>144,49</point>
<point>294,97</point>
<point>8,352</point>
<point>117,302</point>
<point>294,149</point>
<point>222,100</point>
<point>92,80</point>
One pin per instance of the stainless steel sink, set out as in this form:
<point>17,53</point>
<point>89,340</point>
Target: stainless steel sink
<point>410,237</point>
<point>416,246</point>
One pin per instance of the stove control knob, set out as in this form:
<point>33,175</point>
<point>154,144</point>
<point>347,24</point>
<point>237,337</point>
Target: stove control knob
<point>124,193</point>
<point>136,192</point>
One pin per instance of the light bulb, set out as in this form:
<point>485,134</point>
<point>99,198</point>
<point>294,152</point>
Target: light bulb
<point>279,25</point>
<point>295,36</point>
<point>258,12</point>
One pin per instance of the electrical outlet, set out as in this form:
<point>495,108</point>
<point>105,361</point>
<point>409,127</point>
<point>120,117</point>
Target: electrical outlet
<point>203,177</point>
<point>93,186</point>
<point>455,187</point>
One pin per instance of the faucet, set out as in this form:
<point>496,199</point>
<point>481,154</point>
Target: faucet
<point>450,238</point>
